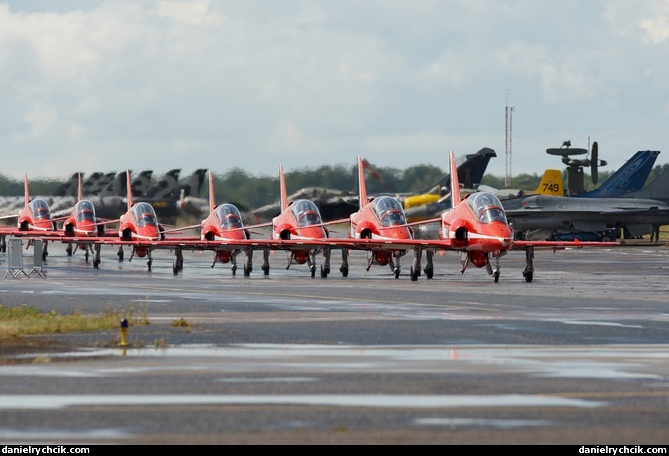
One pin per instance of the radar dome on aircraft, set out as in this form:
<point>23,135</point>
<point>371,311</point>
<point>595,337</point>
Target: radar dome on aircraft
<point>575,165</point>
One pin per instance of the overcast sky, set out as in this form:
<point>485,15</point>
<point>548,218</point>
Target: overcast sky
<point>90,85</point>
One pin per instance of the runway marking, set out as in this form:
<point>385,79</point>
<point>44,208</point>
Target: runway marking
<point>480,422</point>
<point>56,401</point>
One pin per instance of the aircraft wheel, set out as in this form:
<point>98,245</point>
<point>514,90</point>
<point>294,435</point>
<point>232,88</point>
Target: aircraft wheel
<point>495,276</point>
<point>96,263</point>
<point>324,272</point>
<point>414,276</point>
<point>86,257</point>
<point>344,271</point>
<point>247,271</point>
<point>234,269</point>
<point>120,255</point>
<point>313,271</point>
<point>69,251</point>
<point>265,270</point>
<point>148,264</point>
<point>397,273</point>
<point>528,276</point>
<point>429,272</point>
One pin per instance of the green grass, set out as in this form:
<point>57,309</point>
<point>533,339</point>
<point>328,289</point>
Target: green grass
<point>24,320</point>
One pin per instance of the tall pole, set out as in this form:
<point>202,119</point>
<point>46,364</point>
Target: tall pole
<point>508,145</point>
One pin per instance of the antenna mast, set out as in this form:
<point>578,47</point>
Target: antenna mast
<point>509,121</point>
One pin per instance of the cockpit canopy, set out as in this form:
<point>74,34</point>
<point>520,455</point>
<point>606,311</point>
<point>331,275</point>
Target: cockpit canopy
<point>40,209</point>
<point>229,216</point>
<point>85,211</point>
<point>486,207</point>
<point>389,211</point>
<point>306,212</point>
<point>145,214</point>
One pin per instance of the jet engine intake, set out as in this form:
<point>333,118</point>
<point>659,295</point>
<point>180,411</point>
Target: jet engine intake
<point>459,233</point>
<point>284,231</point>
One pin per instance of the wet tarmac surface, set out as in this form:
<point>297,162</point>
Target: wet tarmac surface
<point>579,356</point>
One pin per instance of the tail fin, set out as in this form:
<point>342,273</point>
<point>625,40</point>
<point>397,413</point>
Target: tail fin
<point>91,185</point>
<point>455,183</point>
<point>630,177</point>
<point>658,189</point>
<point>25,187</point>
<point>80,189</point>
<point>115,187</point>
<point>471,171</point>
<point>374,173</point>
<point>142,183</point>
<point>282,186</point>
<point>194,183</point>
<point>166,186</point>
<point>68,188</point>
<point>97,183</point>
<point>551,183</point>
<point>212,202</point>
<point>361,183</point>
<point>129,188</point>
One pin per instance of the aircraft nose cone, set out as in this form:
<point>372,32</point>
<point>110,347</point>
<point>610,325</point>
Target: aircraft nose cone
<point>397,233</point>
<point>315,232</point>
<point>505,235</point>
<point>87,228</point>
<point>150,232</point>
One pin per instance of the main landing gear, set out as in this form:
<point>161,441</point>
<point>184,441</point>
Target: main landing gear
<point>178,263</point>
<point>92,248</point>
<point>429,267</point>
<point>528,273</point>
<point>344,263</point>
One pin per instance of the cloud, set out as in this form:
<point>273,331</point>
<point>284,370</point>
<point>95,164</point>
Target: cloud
<point>40,119</point>
<point>313,83</point>
<point>196,13</point>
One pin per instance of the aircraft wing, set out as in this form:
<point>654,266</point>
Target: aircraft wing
<point>195,243</point>
<point>445,244</point>
<point>556,245</point>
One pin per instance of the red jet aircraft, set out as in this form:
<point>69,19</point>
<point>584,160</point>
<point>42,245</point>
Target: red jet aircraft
<point>224,223</point>
<point>222,230</point>
<point>33,220</point>
<point>298,229</point>
<point>301,226</point>
<point>82,223</point>
<point>476,226</point>
<point>138,228</point>
<point>380,219</point>
<point>81,228</point>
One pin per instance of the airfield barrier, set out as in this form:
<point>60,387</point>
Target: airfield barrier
<point>15,267</point>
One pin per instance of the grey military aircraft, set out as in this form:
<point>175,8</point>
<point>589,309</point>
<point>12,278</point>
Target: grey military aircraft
<point>552,217</point>
<point>601,214</point>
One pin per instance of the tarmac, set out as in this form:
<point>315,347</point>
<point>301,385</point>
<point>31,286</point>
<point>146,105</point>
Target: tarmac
<point>580,356</point>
